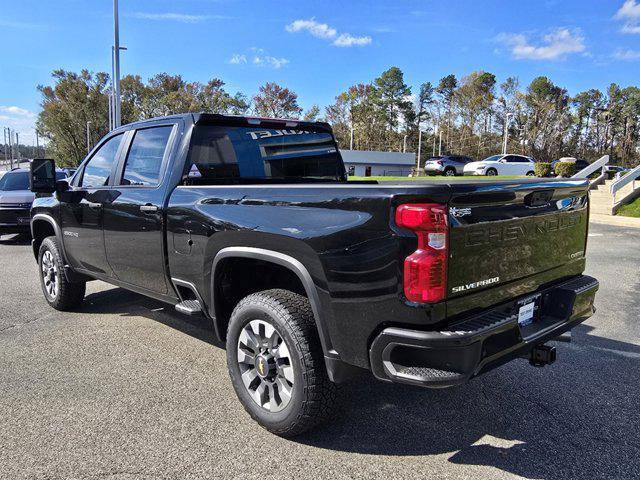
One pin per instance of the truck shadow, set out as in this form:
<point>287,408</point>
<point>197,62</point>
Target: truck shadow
<point>15,239</point>
<point>576,418</point>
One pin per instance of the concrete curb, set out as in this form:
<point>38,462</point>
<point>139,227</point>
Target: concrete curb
<point>617,220</point>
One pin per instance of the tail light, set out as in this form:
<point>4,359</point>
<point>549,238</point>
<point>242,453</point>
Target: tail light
<point>425,270</point>
<point>439,162</point>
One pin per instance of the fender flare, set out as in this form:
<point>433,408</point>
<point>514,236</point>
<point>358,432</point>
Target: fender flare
<point>56,228</point>
<point>290,263</point>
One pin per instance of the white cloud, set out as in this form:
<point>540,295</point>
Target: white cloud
<point>267,61</point>
<point>629,13</point>
<point>177,17</point>
<point>17,111</point>
<point>237,59</point>
<point>627,55</point>
<point>19,120</point>
<point>347,40</point>
<point>320,30</point>
<point>555,45</point>
<point>326,32</point>
<point>259,59</point>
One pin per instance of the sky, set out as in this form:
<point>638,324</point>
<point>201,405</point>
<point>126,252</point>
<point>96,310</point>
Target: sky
<point>316,48</point>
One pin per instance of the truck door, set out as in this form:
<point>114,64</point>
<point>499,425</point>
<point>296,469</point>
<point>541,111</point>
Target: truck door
<point>133,221</point>
<point>81,209</point>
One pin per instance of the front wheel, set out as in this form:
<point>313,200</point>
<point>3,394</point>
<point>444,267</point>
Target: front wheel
<point>59,292</point>
<point>492,172</point>
<point>276,363</point>
<point>531,174</point>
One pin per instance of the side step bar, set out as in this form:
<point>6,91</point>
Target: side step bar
<point>189,307</point>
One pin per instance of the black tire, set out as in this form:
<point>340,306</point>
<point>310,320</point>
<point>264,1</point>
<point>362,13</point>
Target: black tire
<point>312,394</point>
<point>449,172</point>
<point>66,295</point>
<point>492,172</point>
<point>531,174</point>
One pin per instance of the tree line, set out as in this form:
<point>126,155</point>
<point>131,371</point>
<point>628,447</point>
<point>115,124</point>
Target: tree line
<point>466,115</point>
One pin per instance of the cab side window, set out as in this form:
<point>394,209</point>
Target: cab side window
<point>98,170</point>
<point>144,160</point>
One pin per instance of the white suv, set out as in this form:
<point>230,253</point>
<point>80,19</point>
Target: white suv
<point>502,165</point>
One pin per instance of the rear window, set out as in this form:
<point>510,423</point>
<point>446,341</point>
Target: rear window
<point>219,153</point>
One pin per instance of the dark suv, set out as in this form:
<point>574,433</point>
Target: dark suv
<point>16,200</point>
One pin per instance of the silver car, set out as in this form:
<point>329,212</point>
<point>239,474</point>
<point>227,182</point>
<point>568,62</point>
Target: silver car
<point>448,165</point>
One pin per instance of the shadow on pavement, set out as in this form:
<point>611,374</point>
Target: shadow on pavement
<point>15,239</point>
<point>577,418</point>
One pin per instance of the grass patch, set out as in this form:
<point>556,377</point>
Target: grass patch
<point>631,209</point>
<point>440,178</point>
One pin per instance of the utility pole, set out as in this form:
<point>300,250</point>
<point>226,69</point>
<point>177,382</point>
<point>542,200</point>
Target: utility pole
<point>404,144</point>
<point>506,133</point>
<point>440,145</point>
<point>351,139</point>
<point>10,148</point>
<point>116,56</point>
<point>18,147</point>
<point>6,154</point>
<point>419,149</point>
<point>88,138</point>
<point>37,145</point>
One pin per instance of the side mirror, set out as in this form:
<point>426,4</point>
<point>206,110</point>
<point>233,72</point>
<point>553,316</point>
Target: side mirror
<point>42,177</point>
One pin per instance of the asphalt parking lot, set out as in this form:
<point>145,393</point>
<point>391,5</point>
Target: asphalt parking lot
<point>127,388</point>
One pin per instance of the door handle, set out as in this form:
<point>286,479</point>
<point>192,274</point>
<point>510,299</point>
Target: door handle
<point>148,208</point>
<point>94,205</point>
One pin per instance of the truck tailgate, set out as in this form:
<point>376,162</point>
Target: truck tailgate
<point>500,233</point>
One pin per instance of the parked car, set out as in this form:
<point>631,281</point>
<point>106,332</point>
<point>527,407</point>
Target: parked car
<point>16,200</point>
<point>580,164</point>
<point>448,165</point>
<point>309,278</point>
<point>612,170</point>
<point>502,165</point>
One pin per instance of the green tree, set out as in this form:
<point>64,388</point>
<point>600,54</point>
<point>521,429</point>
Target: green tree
<point>67,106</point>
<point>276,102</point>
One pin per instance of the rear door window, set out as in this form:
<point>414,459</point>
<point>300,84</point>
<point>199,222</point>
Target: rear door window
<point>146,154</point>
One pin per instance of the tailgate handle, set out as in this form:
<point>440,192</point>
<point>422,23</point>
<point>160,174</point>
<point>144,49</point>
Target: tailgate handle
<point>540,198</point>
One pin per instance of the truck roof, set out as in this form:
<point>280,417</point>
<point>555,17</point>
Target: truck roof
<point>240,120</point>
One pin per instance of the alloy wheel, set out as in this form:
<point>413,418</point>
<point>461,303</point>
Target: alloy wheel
<point>265,365</point>
<point>50,274</point>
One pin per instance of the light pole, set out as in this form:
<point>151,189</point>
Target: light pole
<point>506,133</point>
<point>88,137</point>
<point>404,144</point>
<point>116,63</point>
<point>6,154</point>
<point>419,149</point>
<point>440,144</point>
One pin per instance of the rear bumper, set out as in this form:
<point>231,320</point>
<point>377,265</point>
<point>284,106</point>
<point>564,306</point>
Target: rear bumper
<point>480,343</point>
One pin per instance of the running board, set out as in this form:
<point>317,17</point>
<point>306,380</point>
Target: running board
<point>189,307</point>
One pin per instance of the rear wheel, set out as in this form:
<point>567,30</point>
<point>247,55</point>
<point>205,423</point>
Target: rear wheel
<point>59,292</point>
<point>276,363</point>
<point>531,174</point>
<point>450,172</point>
<point>492,172</point>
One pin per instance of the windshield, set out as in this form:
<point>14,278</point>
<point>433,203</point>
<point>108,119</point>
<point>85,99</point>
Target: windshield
<point>14,181</point>
<point>219,153</point>
<point>493,158</point>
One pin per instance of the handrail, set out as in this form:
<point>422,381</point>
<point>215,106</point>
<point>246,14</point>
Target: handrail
<point>624,180</point>
<point>585,172</point>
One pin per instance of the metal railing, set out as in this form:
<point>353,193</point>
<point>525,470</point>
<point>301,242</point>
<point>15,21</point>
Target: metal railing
<point>623,181</point>
<point>594,167</point>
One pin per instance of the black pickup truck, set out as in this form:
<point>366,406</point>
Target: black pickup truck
<point>306,277</point>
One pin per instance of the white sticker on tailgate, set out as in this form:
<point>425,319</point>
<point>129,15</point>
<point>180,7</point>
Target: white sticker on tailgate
<point>525,314</point>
